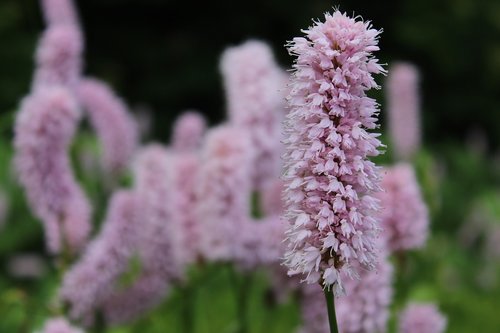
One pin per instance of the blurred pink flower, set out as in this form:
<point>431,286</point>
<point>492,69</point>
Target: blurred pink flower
<point>365,308</point>
<point>44,128</point>
<point>115,127</point>
<point>59,325</point>
<point>272,198</point>
<point>59,57</point>
<point>422,318</point>
<point>255,101</point>
<point>184,169</point>
<point>188,131</point>
<point>59,12</point>
<point>160,265</point>
<point>404,216</point>
<point>403,99</point>
<point>329,179</point>
<point>87,284</point>
<point>224,190</point>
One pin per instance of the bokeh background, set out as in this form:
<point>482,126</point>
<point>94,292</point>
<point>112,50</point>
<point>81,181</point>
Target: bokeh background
<point>163,56</point>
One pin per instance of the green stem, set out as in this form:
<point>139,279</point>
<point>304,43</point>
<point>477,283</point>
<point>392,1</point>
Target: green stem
<point>332,318</point>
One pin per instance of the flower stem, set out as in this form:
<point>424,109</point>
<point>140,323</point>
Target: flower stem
<point>330,303</point>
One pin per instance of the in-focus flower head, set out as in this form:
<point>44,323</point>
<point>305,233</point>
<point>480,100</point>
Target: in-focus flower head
<point>403,99</point>
<point>404,216</point>
<point>422,318</point>
<point>188,131</point>
<point>329,179</point>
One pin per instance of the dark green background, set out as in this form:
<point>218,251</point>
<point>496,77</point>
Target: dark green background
<point>164,54</point>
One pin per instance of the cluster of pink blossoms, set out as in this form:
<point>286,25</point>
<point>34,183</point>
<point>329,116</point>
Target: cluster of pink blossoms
<point>422,318</point>
<point>253,82</point>
<point>329,180</point>
<point>404,217</point>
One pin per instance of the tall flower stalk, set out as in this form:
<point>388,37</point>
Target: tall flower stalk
<point>330,181</point>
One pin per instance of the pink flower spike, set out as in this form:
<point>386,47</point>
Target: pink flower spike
<point>255,101</point>
<point>44,129</point>
<point>59,57</point>
<point>59,325</point>
<point>422,318</point>
<point>115,126</point>
<point>403,99</point>
<point>328,175</point>
<point>188,131</point>
<point>59,12</point>
<point>404,216</point>
<point>160,265</point>
<point>90,281</point>
<point>184,169</point>
<point>224,189</point>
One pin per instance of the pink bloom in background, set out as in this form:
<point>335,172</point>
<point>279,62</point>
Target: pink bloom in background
<point>272,200</point>
<point>330,182</point>
<point>188,131</point>
<point>115,127</point>
<point>224,190</point>
<point>365,308</point>
<point>403,99</point>
<point>87,284</point>
<point>253,82</point>
<point>44,129</point>
<point>59,325</point>
<point>259,243</point>
<point>422,318</point>
<point>59,57</point>
<point>160,266</point>
<point>184,169</point>
<point>404,216</point>
<point>59,12</point>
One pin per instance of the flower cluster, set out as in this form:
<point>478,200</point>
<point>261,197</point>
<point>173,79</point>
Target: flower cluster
<point>188,131</point>
<point>420,318</point>
<point>404,217</point>
<point>329,180</point>
<point>253,81</point>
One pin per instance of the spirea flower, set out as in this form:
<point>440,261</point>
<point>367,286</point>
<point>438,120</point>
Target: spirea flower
<point>253,82</point>
<point>403,100</point>
<point>224,188</point>
<point>59,12</point>
<point>115,127</point>
<point>160,266</point>
<point>59,57</point>
<point>44,128</point>
<point>404,217</point>
<point>422,318</point>
<point>329,180</point>
<point>90,281</point>
<point>365,308</point>
<point>59,325</point>
<point>188,131</point>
